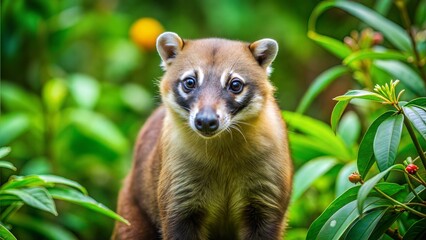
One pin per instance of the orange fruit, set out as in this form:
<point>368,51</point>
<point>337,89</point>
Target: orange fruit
<point>144,32</point>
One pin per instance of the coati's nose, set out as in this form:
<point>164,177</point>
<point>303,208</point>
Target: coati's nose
<point>207,120</point>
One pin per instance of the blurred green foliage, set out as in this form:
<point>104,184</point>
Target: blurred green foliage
<point>75,89</point>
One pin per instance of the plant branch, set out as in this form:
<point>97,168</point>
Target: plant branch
<point>417,204</point>
<point>413,211</point>
<point>411,176</point>
<point>421,179</point>
<point>412,188</point>
<point>414,138</point>
<point>406,20</point>
<point>10,210</point>
<point>394,234</point>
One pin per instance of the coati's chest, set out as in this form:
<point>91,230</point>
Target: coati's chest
<point>222,185</point>
<point>219,193</point>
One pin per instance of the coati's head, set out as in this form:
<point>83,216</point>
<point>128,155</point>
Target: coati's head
<point>214,84</point>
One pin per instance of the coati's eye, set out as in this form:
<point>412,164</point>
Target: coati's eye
<point>189,84</point>
<point>236,86</point>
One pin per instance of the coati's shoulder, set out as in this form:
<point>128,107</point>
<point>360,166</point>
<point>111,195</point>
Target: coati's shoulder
<point>151,132</point>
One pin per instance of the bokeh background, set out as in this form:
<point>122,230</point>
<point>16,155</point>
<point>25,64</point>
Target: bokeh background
<point>79,78</point>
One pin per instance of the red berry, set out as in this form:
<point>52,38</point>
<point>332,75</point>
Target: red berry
<point>354,177</point>
<point>411,168</point>
<point>377,38</point>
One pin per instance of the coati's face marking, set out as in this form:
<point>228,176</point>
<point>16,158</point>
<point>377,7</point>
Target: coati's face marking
<point>214,84</point>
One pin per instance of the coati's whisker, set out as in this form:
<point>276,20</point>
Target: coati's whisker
<point>235,126</point>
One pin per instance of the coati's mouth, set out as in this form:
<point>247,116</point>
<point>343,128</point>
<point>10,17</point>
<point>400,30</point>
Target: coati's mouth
<point>209,135</point>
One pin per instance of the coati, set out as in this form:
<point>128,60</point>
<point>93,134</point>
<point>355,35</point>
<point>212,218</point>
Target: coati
<point>213,161</point>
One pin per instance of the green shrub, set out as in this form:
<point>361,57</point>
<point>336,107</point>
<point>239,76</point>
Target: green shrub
<point>39,191</point>
<point>388,163</point>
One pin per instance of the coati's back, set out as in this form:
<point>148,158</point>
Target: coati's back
<point>213,161</point>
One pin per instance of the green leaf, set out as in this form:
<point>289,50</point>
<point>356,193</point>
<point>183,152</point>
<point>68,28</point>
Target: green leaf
<point>52,179</point>
<point>366,153</point>
<point>4,164</point>
<point>336,226</point>
<point>393,33</point>
<point>35,197</point>
<point>337,113</point>
<point>84,89</point>
<point>370,184</point>
<point>349,129</point>
<point>361,94</point>
<point>5,234</point>
<point>306,147</point>
<point>318,131</point>
<point>420,18</point>
<point>364,228</point>
<point>73,196</point>
<point>4,151</point>
<point>310,172</point>
<point>386,222</point>
<point>416,231</point>
<point>319,84</point>
<point>47,230</point>
<point>383,6</point>
<point>344,199</point>
<point>405,74</point>
<point>99,128</point>
<point>347,197</point>
<point>417,117</point>
<point>41,180</point>
<point>419,190</point>
<point>17,99</point>
<point>421,101</point>
<point>20,182</point>
<point>386,141</point>
<point>373,55</point>
<point>137,98</point>
<point>334,46</point>
<point>12,126</point>
<point>342,182</point>
<point>54,93</point>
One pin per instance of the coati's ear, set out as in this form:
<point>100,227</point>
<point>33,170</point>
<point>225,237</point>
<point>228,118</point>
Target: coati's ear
<point>169,44</point>
<point>264,51</point>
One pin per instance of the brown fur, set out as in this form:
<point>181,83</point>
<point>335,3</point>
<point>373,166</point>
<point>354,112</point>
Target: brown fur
<point>235,185</point>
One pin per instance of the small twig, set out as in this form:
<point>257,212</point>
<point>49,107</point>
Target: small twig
<point>413,211</point>
<point>394,234</point>
<point>412,188</point>
<point>10,210</point>
<point>406,20</point>
<point>421,179</point>
<point>417,204</point>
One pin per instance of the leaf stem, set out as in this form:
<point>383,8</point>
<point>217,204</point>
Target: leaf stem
<point>417,204</point>
<point>421,179</point>
<point>394,234</point>
<point>414,138</point>
<point>412,188</point>
<point>10,210</point>
<point>411,176</point>
<point>406,20</point>
<point>400,204</point>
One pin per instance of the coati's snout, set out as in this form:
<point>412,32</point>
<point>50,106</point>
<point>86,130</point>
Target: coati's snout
<point>206,121</point>
<point>208,117</point>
